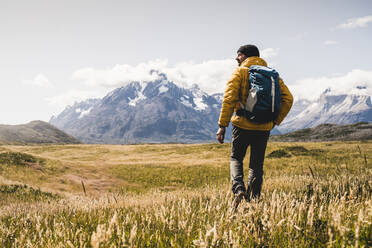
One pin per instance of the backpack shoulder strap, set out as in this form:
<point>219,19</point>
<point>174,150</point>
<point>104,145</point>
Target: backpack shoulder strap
<point>248,86</point>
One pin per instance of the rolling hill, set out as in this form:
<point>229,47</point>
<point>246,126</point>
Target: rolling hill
<point>34,132</point>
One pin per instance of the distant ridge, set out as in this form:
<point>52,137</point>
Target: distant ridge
<point>329,132</point>
<point>34,132</point>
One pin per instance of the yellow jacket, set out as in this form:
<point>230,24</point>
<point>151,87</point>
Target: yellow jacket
<point>237,91</point>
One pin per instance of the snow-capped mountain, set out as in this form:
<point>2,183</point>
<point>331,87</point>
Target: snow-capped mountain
<point>160,111</point>
<point>298,107</point>
<point>330,108</point>
<point>156,111</point>
<point>75,113</point>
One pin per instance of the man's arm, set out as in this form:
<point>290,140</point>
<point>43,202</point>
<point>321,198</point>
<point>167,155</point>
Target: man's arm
<point>230,98</point>
<point>286,103</point>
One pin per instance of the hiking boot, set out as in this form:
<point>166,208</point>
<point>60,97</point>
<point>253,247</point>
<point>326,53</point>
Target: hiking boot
<point>238,198</point>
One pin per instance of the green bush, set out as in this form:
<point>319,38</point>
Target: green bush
<point>17,192</point>
<point>18,159</point>
<point>281,153</point>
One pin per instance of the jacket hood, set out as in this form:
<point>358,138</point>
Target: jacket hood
<point>253,61</point>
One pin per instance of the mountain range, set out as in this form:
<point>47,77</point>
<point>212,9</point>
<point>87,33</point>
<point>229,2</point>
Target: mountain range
<point>159,111</point>
<point>331,108</point>
<point>144,112</point>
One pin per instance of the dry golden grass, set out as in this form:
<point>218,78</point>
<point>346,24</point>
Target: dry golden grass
<point>173,195</point>
<point>104,167</point>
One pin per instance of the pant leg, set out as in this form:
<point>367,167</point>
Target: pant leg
<point>258,147</point>
<point>239,146</point>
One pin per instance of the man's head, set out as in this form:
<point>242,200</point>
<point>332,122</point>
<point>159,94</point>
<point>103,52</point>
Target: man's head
<point>246,51</point>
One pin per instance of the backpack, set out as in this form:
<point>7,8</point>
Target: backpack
<point>264,97</point>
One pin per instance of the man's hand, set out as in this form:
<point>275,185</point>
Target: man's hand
<point>221,134</point>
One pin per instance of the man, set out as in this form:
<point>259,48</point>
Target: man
<point>245,132</point>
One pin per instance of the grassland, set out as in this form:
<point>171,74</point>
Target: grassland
<point>173,195</point>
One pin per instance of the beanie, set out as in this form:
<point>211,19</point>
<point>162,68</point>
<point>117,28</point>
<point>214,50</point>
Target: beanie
<point>249,50</point>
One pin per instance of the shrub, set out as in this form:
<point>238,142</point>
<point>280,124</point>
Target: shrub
<point>279,154</point>
<point>18,159</point>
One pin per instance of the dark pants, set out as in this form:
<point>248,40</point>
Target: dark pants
<point>241,139</point>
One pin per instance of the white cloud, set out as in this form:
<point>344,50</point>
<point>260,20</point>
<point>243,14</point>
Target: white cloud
<point>40,80</point>
<point>311,88</point>
<point>330,42</point>
<point>72,96</point>
<point>119,75</point>
<point>210,75</point>
<point>356,22</point>
<point>269,53</point>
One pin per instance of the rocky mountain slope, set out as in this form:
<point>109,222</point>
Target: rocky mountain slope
<point>149,112</point>
<point>330,108</point>
<point>34,132</point>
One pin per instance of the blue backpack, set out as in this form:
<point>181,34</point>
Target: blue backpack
<point>264,97</point>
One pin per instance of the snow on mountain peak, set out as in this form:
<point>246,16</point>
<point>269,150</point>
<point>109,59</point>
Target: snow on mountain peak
<point>200,105</point>
<point>140,96</point>
<point>185,100</point>
<point>357,90</point>
<point>140,86</point>
<point>163,89</point>
<point>83,112</point>
<point>199,96</point>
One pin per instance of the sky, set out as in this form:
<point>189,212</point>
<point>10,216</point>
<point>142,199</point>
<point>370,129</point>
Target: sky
<point>56,52</point>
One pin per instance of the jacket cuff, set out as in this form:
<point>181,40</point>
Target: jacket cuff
<point>220,125</point>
